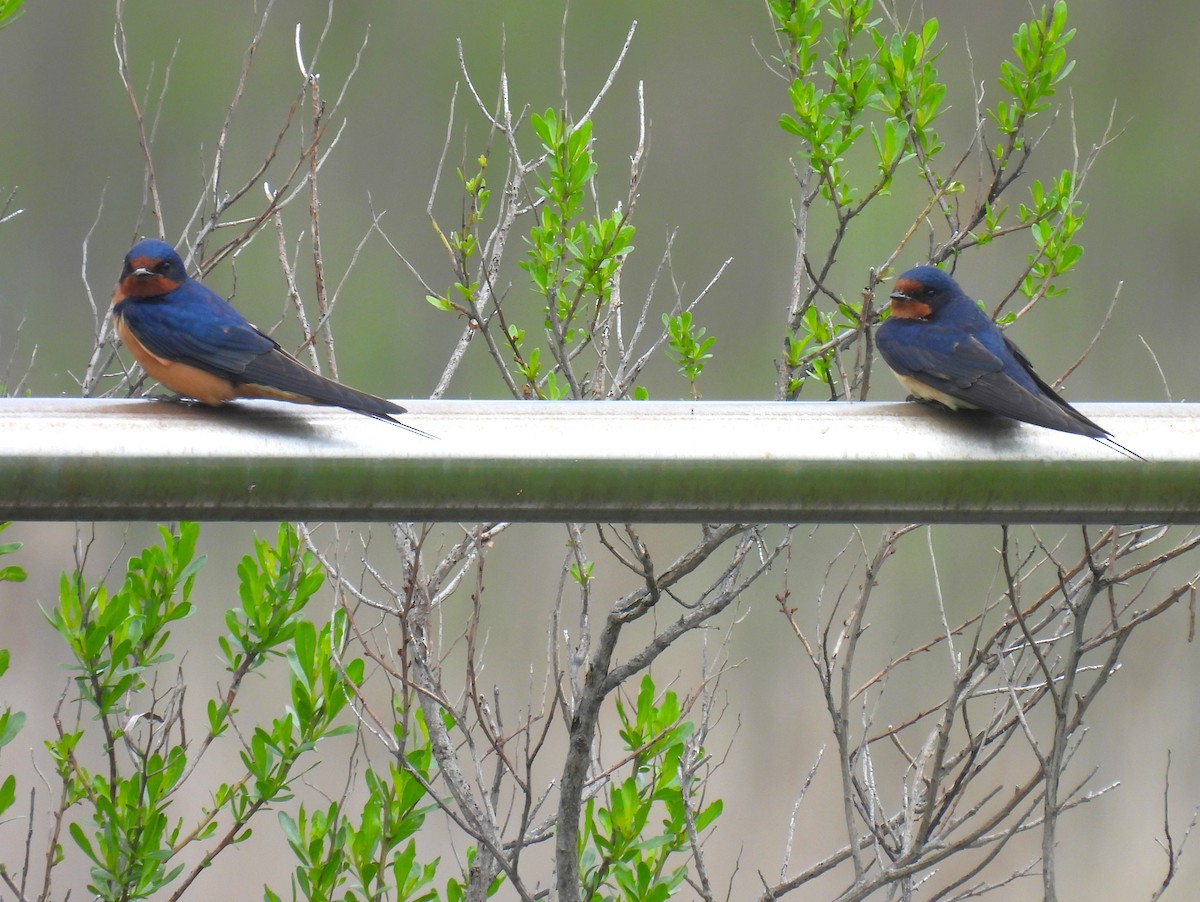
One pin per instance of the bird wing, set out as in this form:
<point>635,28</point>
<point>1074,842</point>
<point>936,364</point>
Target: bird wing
<point>951,362</point>
<point>277,374</point>
<point>998,379</point>
<point>1047,394</point>
<point>196,326</point>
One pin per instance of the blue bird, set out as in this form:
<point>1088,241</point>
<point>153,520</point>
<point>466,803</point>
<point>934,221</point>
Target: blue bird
<point>195,343</point>
<point>943,348</point>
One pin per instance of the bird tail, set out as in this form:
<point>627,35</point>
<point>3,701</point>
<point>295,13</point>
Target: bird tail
<point>388,418</point>
<point>1109,442</point>
<point>282,377</point>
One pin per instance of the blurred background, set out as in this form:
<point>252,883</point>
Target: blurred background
<point>718,172</point>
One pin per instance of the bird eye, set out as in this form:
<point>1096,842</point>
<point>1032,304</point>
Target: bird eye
<point>163,268</point>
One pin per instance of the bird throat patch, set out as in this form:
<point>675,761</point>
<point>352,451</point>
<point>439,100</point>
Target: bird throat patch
<point>904,303</point>
<point>151,286</point>
<point>907,308</point>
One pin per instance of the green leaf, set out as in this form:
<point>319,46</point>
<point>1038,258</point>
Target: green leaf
<point>8,792</point>
<point>10,725</point>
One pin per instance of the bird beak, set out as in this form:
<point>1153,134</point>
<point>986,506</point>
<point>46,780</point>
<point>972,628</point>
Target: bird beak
<point>898,295</point>
<point>141,271</point>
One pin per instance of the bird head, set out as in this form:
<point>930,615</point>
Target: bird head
<point>152,268</point>
<point>921,292</point>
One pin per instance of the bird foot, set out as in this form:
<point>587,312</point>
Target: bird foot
<point>175,399</point>
<point>928,402</point>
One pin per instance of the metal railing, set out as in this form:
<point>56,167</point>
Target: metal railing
<point>67,459</point>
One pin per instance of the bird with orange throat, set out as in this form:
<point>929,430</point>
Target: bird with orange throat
<point>195,343</point>
<point>943,348</point>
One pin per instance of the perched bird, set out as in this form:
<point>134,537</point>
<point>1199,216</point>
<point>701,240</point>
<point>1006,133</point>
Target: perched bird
<point>943,348</point>
<point>195,343</point>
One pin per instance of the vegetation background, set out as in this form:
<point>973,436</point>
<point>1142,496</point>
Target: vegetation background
<point>718,170</point>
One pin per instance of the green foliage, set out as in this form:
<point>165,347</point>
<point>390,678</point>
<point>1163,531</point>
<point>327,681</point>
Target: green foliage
<point>854,74</point>
<point>909,94</point>
<point>11,721</point>
<point>463,243</point>
<point>129,845</point>
<point>814,344</point>
<point>582,573</point>
<point>688,346</point>
<point>1053,217</point>
<point>274,586</point>
<point>572,259</point>
<point>124,815</point>
<point>10,11</point>
<point>840,86</point>
<point>851,80</point>
<point>117,641</point>
<point>1031,80</point>
<point>10,573</point>
<point>623,855</point>
<point>115,638</point>
<point>374,857</point>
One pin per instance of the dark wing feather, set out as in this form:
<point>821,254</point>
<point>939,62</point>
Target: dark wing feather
<point>964,367</point>
<point>196,326</point>
<point>279,374</point>
<point>1047,393</point>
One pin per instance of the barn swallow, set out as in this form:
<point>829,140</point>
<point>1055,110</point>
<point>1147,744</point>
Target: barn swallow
<point>943,348</point>
<point>195,343</point>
